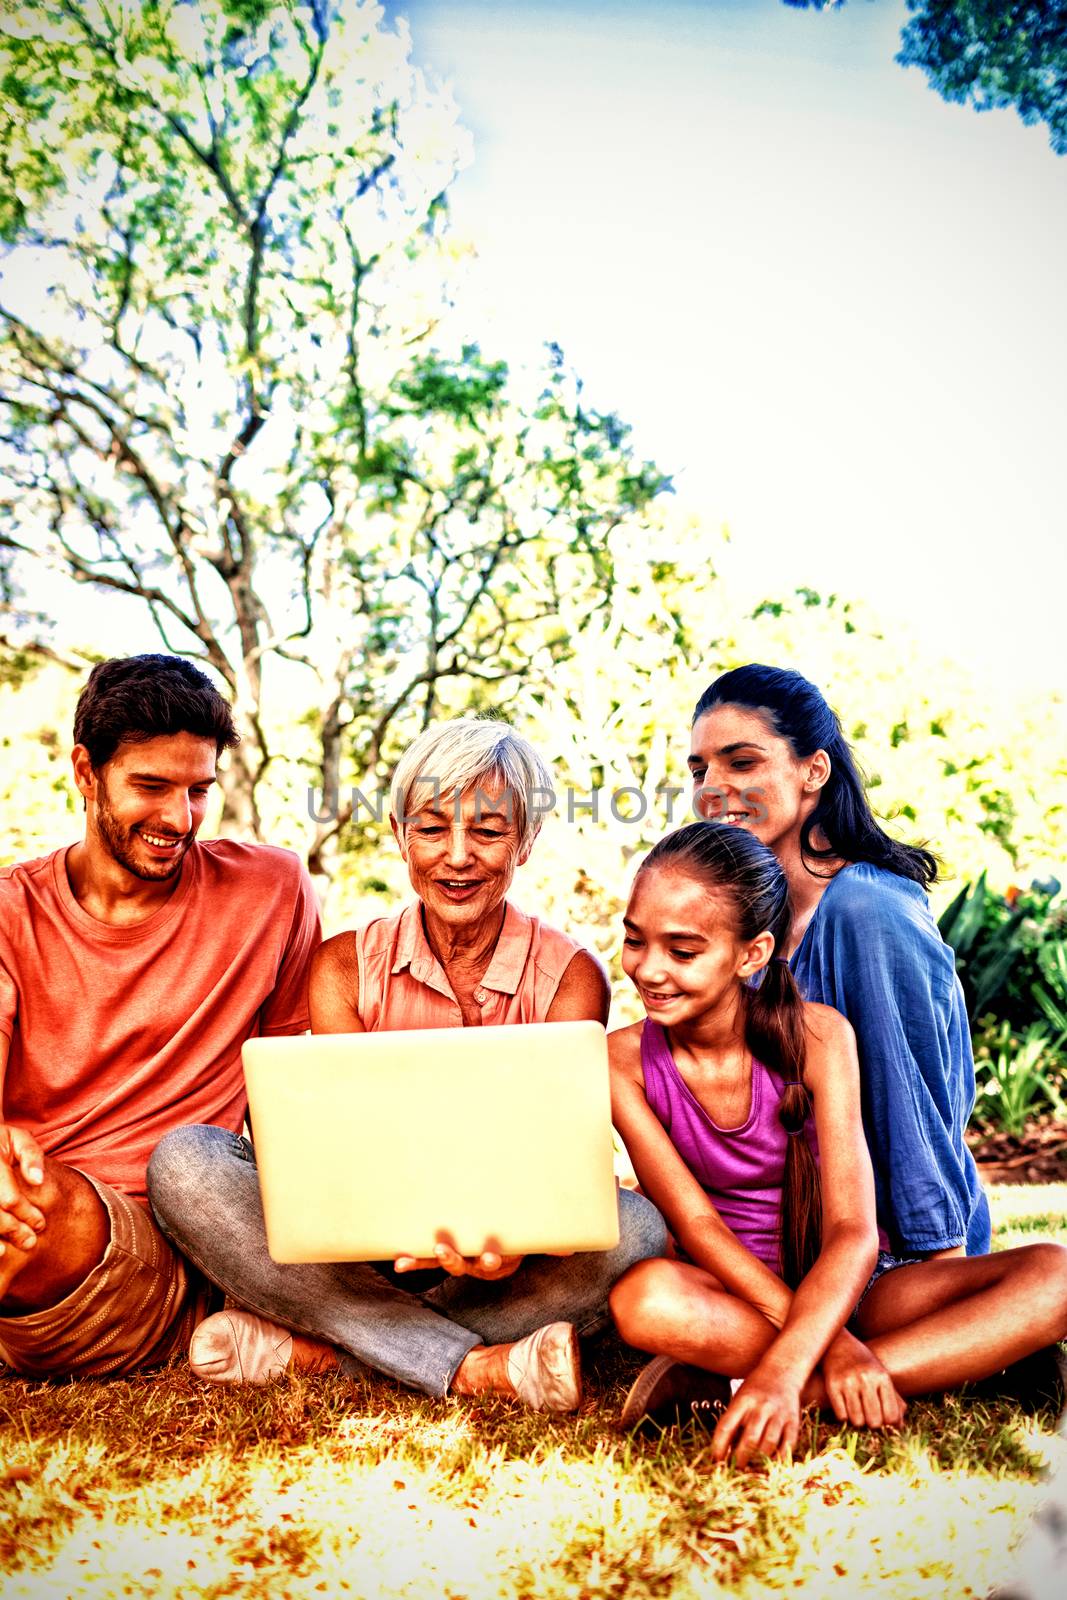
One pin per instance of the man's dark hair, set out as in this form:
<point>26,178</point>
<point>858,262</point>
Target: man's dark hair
<point>135,698</point>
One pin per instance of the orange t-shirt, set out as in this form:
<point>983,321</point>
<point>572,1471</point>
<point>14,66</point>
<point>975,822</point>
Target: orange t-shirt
<point>403,985</point>
<point>120,1034</point>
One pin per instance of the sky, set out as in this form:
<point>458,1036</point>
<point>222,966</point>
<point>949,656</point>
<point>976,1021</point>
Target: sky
<point>829,303</point>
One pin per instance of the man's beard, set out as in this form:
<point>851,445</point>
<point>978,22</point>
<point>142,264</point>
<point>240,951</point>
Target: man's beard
<point>120,843</point>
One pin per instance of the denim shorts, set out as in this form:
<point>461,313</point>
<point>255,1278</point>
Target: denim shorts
<point>887,1262</point>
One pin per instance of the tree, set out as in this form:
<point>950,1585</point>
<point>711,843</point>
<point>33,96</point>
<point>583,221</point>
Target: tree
<point>227,390</point>
<point>977,778</point>
<point>990,54</point>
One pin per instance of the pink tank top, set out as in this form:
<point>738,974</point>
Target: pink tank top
<point>741,1168</point>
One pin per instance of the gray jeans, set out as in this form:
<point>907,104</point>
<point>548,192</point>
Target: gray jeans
<point>204,1190</point>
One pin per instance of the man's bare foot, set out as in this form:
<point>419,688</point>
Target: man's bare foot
<point>543,1370</point>
<point>238,1346</point>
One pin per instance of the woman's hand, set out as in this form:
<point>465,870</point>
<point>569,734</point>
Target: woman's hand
<point>762,1418</point>
<point>858,1386</point>
<point>489,1266</point>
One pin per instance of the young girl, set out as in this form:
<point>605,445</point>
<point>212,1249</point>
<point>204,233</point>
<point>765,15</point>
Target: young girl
<point>740,1107</point>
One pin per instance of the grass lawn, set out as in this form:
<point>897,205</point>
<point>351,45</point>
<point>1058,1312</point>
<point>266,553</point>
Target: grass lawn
<point>167,1487</point>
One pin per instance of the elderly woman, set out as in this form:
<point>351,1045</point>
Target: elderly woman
<point>464,813</point>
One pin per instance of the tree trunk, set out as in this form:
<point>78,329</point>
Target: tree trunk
<point>238,772</point>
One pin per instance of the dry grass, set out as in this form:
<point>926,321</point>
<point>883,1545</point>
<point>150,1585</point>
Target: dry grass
<point>162,1486</point>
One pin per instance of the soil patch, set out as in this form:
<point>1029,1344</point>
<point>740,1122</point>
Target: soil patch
<point>1038,1155</point>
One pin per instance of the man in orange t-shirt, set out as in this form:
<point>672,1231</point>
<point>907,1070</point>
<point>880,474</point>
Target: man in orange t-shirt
<point>133,966</point>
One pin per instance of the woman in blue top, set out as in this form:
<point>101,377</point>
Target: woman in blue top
<point>767,753</point>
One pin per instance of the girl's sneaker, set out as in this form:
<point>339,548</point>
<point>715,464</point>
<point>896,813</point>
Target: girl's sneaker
<point>1034,1382</point>
<point>668,1393</point>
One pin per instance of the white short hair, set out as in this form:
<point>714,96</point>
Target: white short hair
<point>450,758</point>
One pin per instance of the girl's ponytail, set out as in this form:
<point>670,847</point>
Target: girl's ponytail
<point>730,859</point>
<point>774,1032</point>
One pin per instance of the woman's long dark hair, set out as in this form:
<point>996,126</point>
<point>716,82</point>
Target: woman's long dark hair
<point>797,711</point>
<point>724,858</point>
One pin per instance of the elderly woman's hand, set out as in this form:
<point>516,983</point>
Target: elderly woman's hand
<point>490,1265</point>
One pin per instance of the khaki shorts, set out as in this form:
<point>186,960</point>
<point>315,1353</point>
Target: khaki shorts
<point>137,1308</point>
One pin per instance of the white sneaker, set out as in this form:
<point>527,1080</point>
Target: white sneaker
<point>545,1368</point>
<point>239,1347</point>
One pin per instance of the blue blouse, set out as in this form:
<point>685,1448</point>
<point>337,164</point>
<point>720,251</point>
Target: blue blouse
<point>872,951</point>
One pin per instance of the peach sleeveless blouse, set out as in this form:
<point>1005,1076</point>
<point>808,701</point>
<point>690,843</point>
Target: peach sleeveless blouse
<point>403,985</point>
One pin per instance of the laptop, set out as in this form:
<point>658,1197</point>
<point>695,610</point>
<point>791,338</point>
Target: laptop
<point>374,1145</point>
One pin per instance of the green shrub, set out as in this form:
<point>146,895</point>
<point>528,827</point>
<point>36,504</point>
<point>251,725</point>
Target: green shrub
<point>1011,953</point>
<point>1019,1077</point>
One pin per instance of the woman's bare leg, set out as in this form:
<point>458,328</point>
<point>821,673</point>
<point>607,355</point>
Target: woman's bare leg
<point>933,1326</point>
<point>940,1324</point>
